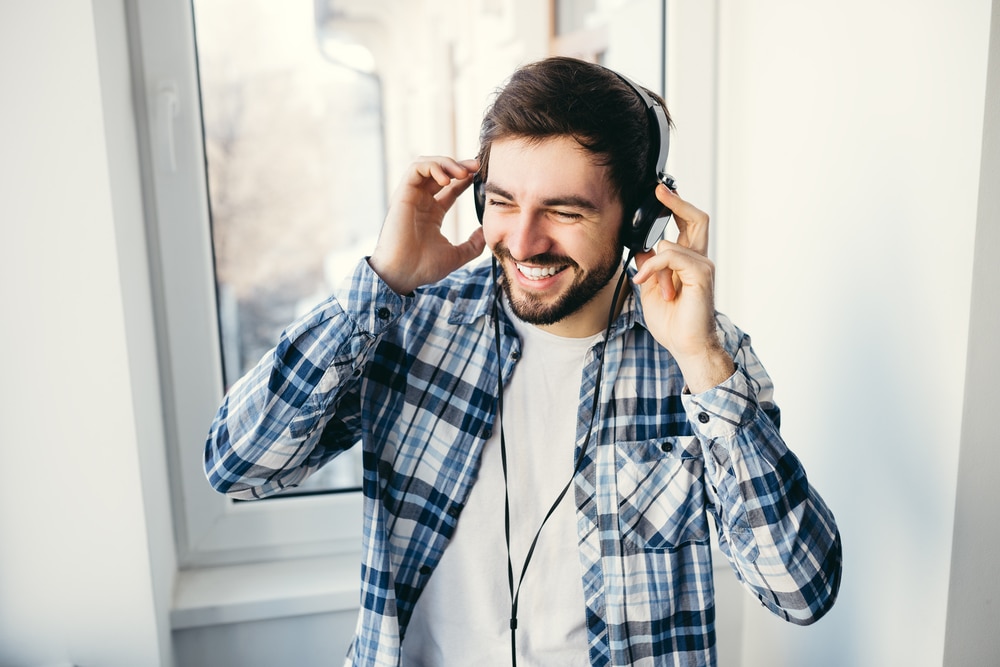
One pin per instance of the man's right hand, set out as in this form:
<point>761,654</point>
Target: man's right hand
<point>411,250</point>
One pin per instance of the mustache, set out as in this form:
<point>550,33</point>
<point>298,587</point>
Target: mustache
<point>501,252</point>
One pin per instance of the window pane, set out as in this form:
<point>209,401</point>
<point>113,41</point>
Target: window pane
<point>293,140</point>
<point>571,15</point>
<point>575,15</point>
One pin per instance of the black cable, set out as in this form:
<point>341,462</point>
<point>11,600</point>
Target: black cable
<point>515,593</point>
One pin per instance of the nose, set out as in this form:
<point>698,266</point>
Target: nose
<point>526,235</point>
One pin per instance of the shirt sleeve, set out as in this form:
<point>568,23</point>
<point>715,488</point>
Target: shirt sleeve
<point>778,534</point>
<point>292,413</point>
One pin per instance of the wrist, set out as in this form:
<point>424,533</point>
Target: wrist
<point>396,284</point>
<point>707,369</point>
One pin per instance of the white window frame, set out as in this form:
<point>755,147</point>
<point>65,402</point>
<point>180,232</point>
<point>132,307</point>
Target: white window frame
<point>210,528</point>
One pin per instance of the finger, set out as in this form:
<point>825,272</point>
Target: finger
<point>458,168</point>
<point>673,265</point>
<point>668,283</point>
<point>664,255</point>
<point>472,165</point>
<point>640,259</point>
<point>433,173</point>
<point>447,196</point>
<point>472,247</point>
<point>692,223</point>
<point>664,279</point>
<point>438,173</point>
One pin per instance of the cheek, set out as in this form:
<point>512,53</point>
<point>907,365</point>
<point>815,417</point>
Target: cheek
<point>491,236</point>
<point>594,248</point>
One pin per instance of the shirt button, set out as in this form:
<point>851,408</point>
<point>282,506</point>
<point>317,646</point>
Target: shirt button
<point>515,355</point>
<point>703,417</point>
<point>667,447</point>
<point>487,434</point>
<point>454,511</point>
<point>425,570</point>
<point>384,313</point>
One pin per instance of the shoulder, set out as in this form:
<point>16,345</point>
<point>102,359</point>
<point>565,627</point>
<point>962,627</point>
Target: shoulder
<point>462,296</point>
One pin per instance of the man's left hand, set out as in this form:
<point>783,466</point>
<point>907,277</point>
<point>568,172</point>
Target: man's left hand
<point>677,288</point>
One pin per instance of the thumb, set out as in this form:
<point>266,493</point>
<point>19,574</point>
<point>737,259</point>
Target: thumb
<point>472,247</point>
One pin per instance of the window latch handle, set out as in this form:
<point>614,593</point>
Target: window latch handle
<point>167,109</point>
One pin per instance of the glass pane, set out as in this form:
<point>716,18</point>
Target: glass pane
<point>293,139</point>
<point>571,15</point>
<point>575,15</point>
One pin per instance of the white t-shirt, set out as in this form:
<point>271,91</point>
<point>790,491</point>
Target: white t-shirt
<point>463,615</point>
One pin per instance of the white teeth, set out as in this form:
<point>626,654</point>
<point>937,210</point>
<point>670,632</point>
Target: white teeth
<point>536,273</point>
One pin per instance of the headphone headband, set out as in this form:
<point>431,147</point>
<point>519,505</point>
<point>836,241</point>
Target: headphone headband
<point>657,122</point>
<point>648,220</point>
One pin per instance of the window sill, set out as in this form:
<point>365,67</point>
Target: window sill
<point>276,589</point>
<point>260,591</point>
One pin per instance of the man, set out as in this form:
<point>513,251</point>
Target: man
<point>564,519</point>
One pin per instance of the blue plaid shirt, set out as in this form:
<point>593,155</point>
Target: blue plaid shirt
<point>414,380</point>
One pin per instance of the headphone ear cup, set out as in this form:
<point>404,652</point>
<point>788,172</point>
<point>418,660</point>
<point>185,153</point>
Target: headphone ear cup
<point>479,193</point>
<point>646,225</point>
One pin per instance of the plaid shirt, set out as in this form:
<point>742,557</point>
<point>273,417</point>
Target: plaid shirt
<point>414,380</point>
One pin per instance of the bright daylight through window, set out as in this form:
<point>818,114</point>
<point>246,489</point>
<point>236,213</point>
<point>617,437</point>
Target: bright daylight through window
<point>294,147</point>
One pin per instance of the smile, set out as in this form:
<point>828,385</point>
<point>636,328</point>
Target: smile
<point>538,273</point>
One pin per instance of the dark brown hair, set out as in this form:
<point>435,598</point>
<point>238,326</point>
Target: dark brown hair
<point>562,96</point>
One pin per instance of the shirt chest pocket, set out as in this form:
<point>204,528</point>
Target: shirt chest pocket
<point>660,487</point>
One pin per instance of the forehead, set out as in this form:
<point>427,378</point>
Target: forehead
<point>546,168</point>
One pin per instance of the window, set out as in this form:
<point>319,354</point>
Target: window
<point>292,116</point>
<point>286,87</point>
<point>258,137</point>
<point>628,35</point>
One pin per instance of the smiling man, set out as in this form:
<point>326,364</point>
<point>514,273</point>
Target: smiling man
<point>547,434</point>
<point>553,227</point>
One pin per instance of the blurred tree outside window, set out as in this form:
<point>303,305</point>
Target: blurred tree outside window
<point>294,146</point>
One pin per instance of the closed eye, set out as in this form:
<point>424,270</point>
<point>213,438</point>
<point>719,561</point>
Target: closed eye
<point>567,216</point>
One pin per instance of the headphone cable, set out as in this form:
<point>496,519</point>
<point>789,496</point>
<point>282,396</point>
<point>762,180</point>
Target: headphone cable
<point>515,592</point>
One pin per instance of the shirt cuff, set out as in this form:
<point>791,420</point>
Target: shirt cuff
<point>369,302</point>
<point>721,410</point>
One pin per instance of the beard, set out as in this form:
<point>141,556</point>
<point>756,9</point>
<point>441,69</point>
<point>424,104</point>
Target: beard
<point>586,285</point>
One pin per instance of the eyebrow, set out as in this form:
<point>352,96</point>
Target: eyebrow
<point>572,201</point>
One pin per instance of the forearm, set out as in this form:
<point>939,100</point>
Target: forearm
<point>777,532</point>
<point>706,370</point>
<point>291,413</point>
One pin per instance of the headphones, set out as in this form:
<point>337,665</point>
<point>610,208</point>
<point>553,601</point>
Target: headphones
<point>643,226</point>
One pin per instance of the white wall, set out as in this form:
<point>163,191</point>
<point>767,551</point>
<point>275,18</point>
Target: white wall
<point>973,611</point>
<point>848,155</point>
<point>85,539</point>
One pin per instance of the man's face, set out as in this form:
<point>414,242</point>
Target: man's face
<point>552,221</point>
